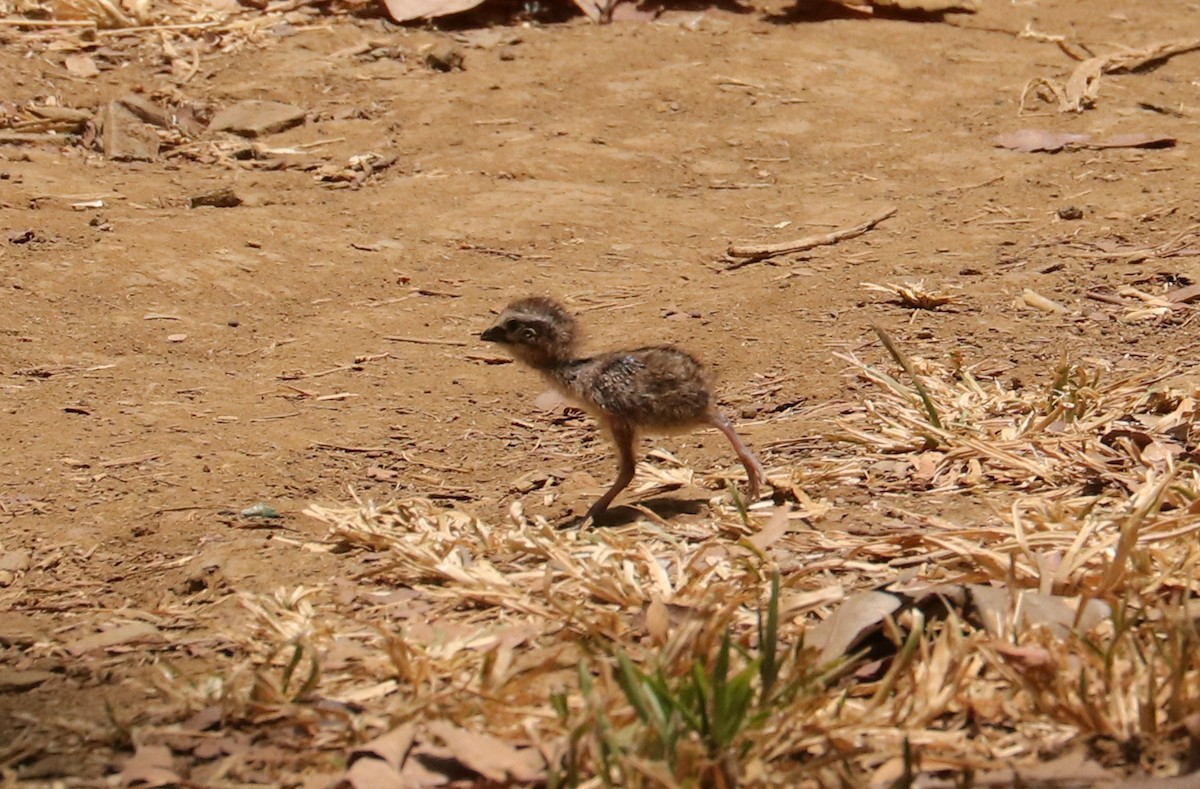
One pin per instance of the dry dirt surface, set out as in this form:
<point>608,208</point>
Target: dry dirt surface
<point>165,367</point>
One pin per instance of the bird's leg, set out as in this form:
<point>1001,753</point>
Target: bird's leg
<point>623,435</point>
<point>754,470</point>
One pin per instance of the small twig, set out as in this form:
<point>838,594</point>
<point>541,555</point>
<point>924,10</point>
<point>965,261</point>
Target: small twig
<point>299,391</point>
<point>735,82</point>
<point>183,508</point>
<point>318,143</point>
<point>129,461</point>
<point>155,28</point>
<point>273,417</point>
<point>504,253</point>
<point>957,190</point>
<point>47,23</point>
<point>903,361</point>
<point>1096,295</point>
<point>476,357</point>
<point>739,185</point>
<point>435,466</point>
<point>756,252</point>
<point>321,374</point>
<point>341,448</point>
<point>426,341</point>
<point>32,137</point>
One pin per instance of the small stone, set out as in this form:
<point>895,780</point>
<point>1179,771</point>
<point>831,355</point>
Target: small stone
<point>445,58</point>
<point>15,561</point>
<point>176,337</point>
<point>224,197</point>
<point>1070,213</point>
<point>126,137</point>
<point>257,118</point>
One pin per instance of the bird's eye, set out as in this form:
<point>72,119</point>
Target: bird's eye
<point>511,325</point>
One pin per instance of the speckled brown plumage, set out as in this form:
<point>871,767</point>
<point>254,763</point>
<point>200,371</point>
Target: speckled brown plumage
<point>657,389</point>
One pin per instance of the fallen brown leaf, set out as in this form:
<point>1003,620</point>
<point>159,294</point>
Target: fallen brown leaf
<point>770,533</point>
<point>81,65</point>
<point>122,634</point>
<point>391,748</point>
<point>489,756</point>
<point>850,621</point>
<point>150,766</point>
<point>1035,140</point>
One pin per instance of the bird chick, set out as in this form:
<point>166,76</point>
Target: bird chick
<point>657,390</point>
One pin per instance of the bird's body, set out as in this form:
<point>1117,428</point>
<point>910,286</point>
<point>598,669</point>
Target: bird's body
<point>660,388</point>
<point>652,390</point>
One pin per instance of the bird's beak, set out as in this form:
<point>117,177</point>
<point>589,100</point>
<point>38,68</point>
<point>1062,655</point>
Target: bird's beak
<point>494,334</point>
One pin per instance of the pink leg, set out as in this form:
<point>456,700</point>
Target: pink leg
<point>754,470</point>
<point>623,436</point>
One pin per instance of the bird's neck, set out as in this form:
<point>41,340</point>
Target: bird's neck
<point>566,375</point>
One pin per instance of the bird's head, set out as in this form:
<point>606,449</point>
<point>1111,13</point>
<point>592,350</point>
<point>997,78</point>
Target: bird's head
<point>536,330</point>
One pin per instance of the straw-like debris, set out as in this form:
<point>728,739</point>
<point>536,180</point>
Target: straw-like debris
<point>1058,616</point>
<point>913,295</point>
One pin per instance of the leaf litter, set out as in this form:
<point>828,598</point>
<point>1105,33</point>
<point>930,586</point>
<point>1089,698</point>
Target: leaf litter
<point>1061,612</point>
<point>1082,88</point>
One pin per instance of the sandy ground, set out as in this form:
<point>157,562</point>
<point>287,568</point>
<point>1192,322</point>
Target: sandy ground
<point>163,367</point>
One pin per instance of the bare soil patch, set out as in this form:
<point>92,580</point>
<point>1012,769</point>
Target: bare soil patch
<point>165,367</point>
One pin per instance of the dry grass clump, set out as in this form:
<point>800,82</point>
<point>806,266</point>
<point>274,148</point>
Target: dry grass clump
<point>914,295</point>
<point>1052,635</point>
<point>1068,436</point>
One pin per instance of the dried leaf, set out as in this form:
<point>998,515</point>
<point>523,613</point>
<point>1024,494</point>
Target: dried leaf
<point>658,620</point>
<point>1083,86</point>
<point>81,65</point>
<point>595,10</point>
<point>150,766</point>
<point>489,756</point>
<point>927,6</point>
<point>769,534</point>
<point>1030,140</point>
<point>122,634</point>
<point>371,774</point>
<point>913,295</point>
<point>633,12</point>
<point>408,10</point>
<point>390,748</point>
<point>996,607</point>
<point>850,621</point>
<point>1033,140</point>
<point>1130,141</point>
<point>1184,295</point>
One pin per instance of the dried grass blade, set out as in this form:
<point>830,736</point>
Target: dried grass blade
<point>903,361</point>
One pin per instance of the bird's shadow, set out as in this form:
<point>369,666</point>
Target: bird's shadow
<point>665,507</point>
